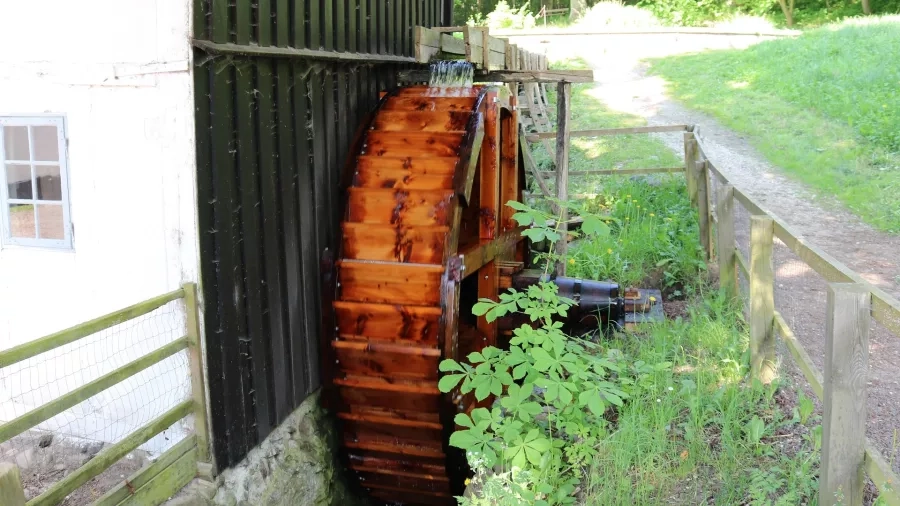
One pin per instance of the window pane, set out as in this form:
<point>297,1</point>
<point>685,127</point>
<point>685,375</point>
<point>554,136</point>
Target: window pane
<point>49,185</point>
<point>21,221</point>
<point>18,181</point>
<point>46,143</point>
<point>50,218</point>
<point>15,142</point>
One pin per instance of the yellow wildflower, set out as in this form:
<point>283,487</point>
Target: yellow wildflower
<point>652,215</point>
<point>609,250</point>
<point>468,481</point>
<point>652,299</point>
<point>628,196</point>
<point>572,261</point>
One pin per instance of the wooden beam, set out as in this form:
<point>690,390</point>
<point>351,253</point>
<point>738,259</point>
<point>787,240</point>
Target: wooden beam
<point>813,376</point>
<point>703,212</point>
<point>82,393</point>
<point>511,76</point>
<point>230,49</point>
<point>143,475</point>
<point>616,172</point>
<point>725,240</point>
<point>63,337</point>
<point>563,116</point>
<point>11,491</point>
<point>532,167</point>
<point>762,299</point>
<point>846,372</point>
<point>536,137</point>
<point>198,371</point>
<point>881,474</point>
<point>110,455</point>
<point>690,161</point>
<point>477,256</point>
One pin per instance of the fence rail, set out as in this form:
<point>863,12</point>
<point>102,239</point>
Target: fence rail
<point>155,482</point>
<point>852,303</point>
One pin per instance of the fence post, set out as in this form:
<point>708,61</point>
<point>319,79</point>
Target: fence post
<point>563,97</point>
<point>11,491</point>
<point>198,383</point>
<point>762,299</point>
<point>725,239</point>
<point>690,164</point>
<point>844,394</point>
<point>704,220</point>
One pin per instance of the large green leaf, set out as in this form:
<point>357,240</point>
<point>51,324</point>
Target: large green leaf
<point>449,382</point>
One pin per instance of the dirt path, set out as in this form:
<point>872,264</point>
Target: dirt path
<point>623,85</point>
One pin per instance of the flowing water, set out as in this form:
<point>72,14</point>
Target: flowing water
<point>451,74</point>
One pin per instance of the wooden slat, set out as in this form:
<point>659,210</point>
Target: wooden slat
<point>427,91</point>
<point>410,450</point>
<point>480,254</point>
<point>511,76</point>
<point>762,302</point>
<point>444,166</point>
<point>413,144</point>
<point>400,207</point>
<point>421,121</point>
<point>387,360</point>
<point>143,475</point>
<point>166,484</point>
<point>420,103</point>
<point>110,455</point>
<point>427,179</point>
<point>27,350</point>
<point>563,118</point>
<point>536,137</point>
<point>393,432</point>
<point>407,464</point>
<point>391,396</point>
<point>420,483</point>
<point>388,322</point>
<point>56,406</point>
<point>421,245</point>
<point>390,283</point>
<point>410,497</point>
<point>881,474</point>
<point>742,262</point>
<point>286,53</point>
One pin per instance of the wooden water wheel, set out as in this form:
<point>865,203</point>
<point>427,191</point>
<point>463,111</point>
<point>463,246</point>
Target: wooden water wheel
<point>422,238</point>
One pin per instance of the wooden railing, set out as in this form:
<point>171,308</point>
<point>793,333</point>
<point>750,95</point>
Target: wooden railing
<point>851,304</point>
<point>153,483</point>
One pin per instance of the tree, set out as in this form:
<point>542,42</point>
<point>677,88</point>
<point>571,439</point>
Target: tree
<point>577,8</point>
<point>867,7</point>
<point>787,7</point>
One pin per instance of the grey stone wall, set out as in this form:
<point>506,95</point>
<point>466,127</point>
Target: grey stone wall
<point>296,465</point>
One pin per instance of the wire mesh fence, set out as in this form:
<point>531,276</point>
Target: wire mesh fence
<point>57,446</point>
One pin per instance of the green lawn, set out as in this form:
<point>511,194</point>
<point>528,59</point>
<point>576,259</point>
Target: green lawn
<point>824,106</point>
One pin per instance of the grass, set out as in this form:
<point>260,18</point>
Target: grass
<point>654,231</point>
<point>701,433</point>
<point>825,107</point>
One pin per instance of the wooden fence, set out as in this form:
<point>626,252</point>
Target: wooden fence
<point>847,455</point>
<point>155,482</point>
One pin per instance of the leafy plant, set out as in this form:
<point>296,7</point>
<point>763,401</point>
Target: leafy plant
<point>805,407</point>
<point>553,390</point>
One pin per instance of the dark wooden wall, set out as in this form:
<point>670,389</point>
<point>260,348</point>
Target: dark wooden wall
<point>281,86</point>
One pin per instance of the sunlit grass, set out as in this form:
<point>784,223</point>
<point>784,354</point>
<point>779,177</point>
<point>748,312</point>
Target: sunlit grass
<point>825,107</point>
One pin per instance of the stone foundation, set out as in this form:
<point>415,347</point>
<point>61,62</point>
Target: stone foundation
<point>296,465</point>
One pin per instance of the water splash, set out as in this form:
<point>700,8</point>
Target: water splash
<point>451,74</point>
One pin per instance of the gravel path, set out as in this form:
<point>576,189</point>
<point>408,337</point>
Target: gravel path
<point>623,85</point>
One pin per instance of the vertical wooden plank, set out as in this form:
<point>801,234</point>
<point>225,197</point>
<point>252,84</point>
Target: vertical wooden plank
<point>320,178</point>
<point>333,154</point>
<point>198,372</point>
<point>287,179</point>
<point>245,91</point>
<point>271,209</point>
<point>563,115</point>
<point>846,370</point>
<point>221,22</point>
<point>700,174</point>
<point>489,165</point>
<point>200,23</point>
<point>397,27</point>
<point>300,22</point>
<point>690,161</point>
<point>232,331</point>
<point>353,25</point>
<point>314,24</point>
<point>409,15</point>
<point>282,23</point>
<point>327,23</point>
<point>762,299</point>
<point>11,491</point>
<point>387,46</point>
<point>264,24</point>
<point>242,22</point>
<point>725,239</point>
<point>509,165</point>
<point>340,25</point>
<point>367,41</point>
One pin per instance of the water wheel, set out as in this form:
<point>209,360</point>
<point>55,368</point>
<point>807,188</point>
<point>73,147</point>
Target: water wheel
<point>423,236</point>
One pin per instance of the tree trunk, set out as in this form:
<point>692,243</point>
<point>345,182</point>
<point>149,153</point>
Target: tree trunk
<point>867,7</point>
<point>577,8</point>
<point>789,11</point>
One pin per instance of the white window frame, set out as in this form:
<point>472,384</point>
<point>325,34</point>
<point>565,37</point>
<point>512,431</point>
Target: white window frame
<point>6,238</point>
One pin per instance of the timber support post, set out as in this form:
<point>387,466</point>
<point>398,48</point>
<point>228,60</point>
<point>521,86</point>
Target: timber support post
<point>11,491</point>
<point>762,299</point>
<point>198,371</point>
<point>846,371</point>
<point>563,112</point>
<point>700,172</point>
<point>690,164</point>
<point>725,240</point>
